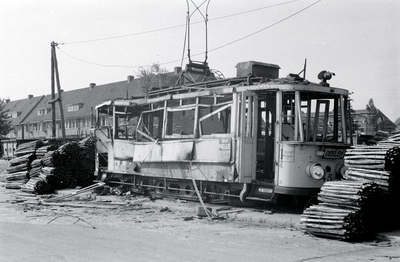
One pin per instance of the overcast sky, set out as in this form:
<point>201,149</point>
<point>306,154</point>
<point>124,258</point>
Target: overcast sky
<point>105,41</point>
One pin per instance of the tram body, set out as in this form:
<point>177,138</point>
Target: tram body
<point>253,138</point>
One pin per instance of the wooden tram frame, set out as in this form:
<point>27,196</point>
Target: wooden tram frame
<point>249,157</point>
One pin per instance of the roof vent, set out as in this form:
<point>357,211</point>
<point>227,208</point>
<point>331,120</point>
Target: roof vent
<point>253,68</point>
<point>30,97</point>
<point>92,85</point>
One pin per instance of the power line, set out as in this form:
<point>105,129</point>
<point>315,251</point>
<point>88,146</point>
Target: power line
<point>265,28</point>
<point>176,26</point>
<point>214,49</point>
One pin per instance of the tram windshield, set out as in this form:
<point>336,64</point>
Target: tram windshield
<point>314,117</point>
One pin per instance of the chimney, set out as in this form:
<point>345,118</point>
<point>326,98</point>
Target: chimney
<point>177,70</point>
<point>130,78</point>
<point>30,97</point>
<point>8,100</point>
<point>92,85</point>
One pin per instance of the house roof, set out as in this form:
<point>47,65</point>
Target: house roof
<point>86,98</point>
<point>22,107</point>
<point>397,122</point>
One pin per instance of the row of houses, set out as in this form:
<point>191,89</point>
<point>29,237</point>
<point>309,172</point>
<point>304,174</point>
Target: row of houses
<point>31,118</point>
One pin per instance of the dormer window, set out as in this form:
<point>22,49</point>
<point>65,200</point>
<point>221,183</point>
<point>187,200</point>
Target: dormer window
<point>74,107</point>
<point>43,111</point>
<point>13,114</point>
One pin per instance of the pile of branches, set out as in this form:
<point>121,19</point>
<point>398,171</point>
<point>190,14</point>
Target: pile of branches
<point>345,211</point>
<point>70,165</point>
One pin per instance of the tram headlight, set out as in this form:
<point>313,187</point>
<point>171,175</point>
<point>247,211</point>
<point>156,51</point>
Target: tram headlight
<point>340,169</point>
<point>315,170</point>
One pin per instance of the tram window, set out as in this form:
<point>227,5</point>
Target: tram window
<point>126,127</point>
<point>215,120</point>
<point>288,117</point>
<point>180,123</point>
<point>150,125</point>
<point>321,119</point>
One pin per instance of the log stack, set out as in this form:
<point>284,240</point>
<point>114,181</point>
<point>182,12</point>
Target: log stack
<point>380,164</point>
<point>68,166</point>
<point>354,208</point>
<point>366,157</point>
<point>19,167</point>
<point>344,211</point>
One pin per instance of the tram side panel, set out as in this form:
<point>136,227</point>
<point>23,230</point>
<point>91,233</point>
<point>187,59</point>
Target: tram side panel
<point>204,159</point>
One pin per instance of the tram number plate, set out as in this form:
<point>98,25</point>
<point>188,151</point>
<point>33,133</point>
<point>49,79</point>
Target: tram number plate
<point>334,153</point>
<point>264,190</point>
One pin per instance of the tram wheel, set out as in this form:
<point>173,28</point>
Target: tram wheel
<point>189,190</point>
<point>160,186</point>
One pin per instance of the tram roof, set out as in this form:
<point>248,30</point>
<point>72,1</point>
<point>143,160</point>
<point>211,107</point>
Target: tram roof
<point>200,90</point>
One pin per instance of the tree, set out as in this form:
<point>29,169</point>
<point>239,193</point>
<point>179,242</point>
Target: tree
<point>152,76</point>
<point>375,115</point>
<point>5,123</point>
<point>355,125</point>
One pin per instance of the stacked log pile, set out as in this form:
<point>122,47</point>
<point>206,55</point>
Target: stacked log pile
<point>354,208</point>
<point>344,210</point>
<point>366,157</point>
<point>376,163</point>
<point>19,167</point>
<point>68,166</point>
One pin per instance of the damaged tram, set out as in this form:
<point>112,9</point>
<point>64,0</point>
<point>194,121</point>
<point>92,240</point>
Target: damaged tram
<point>250,137</point>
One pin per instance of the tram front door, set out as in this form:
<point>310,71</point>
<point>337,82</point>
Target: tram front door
<point>247,129</point>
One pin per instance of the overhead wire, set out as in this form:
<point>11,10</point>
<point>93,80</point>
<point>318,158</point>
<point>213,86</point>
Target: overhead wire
<point>173,27</point>
<point>214,49</point>
<point>265,28</point>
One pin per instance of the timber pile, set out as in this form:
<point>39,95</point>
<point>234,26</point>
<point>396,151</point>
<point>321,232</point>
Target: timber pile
<point>19,167</point>
<point>393,140</point>
<point>382,178</point>
<point>379,164</point>
<point>344,211</point>
<point>366,157</point>
<point>28,148</point>
<point>68,166</point>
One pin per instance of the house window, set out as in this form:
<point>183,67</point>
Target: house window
<point>13,114</point>
<point>42,111</point>
<point>74,107</point>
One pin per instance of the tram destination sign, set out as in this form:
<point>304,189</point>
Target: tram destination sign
<point>334,153</point>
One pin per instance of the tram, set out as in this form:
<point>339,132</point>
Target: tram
<point>254,137</point>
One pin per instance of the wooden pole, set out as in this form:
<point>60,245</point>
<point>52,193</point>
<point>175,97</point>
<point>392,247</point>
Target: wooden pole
<point>58,89</point>
<point>53,95</point>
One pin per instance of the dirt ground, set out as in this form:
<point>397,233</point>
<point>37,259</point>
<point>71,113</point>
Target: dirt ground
<point>113,228</point>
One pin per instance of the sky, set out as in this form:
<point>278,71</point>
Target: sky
<point>103,41</point>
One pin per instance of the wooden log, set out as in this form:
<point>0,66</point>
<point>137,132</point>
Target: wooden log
<point>344,197</point>
<point>14,185</point>
<point>371,167</point>
<point>365,157</point>
<point>19,168</point>
<point>351,172</point>
<point>363,153</point>
<point>368,171</point>
<point>16,176</point>
<point>364,161</point>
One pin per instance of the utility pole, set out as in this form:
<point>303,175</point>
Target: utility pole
<point>56,76</point>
